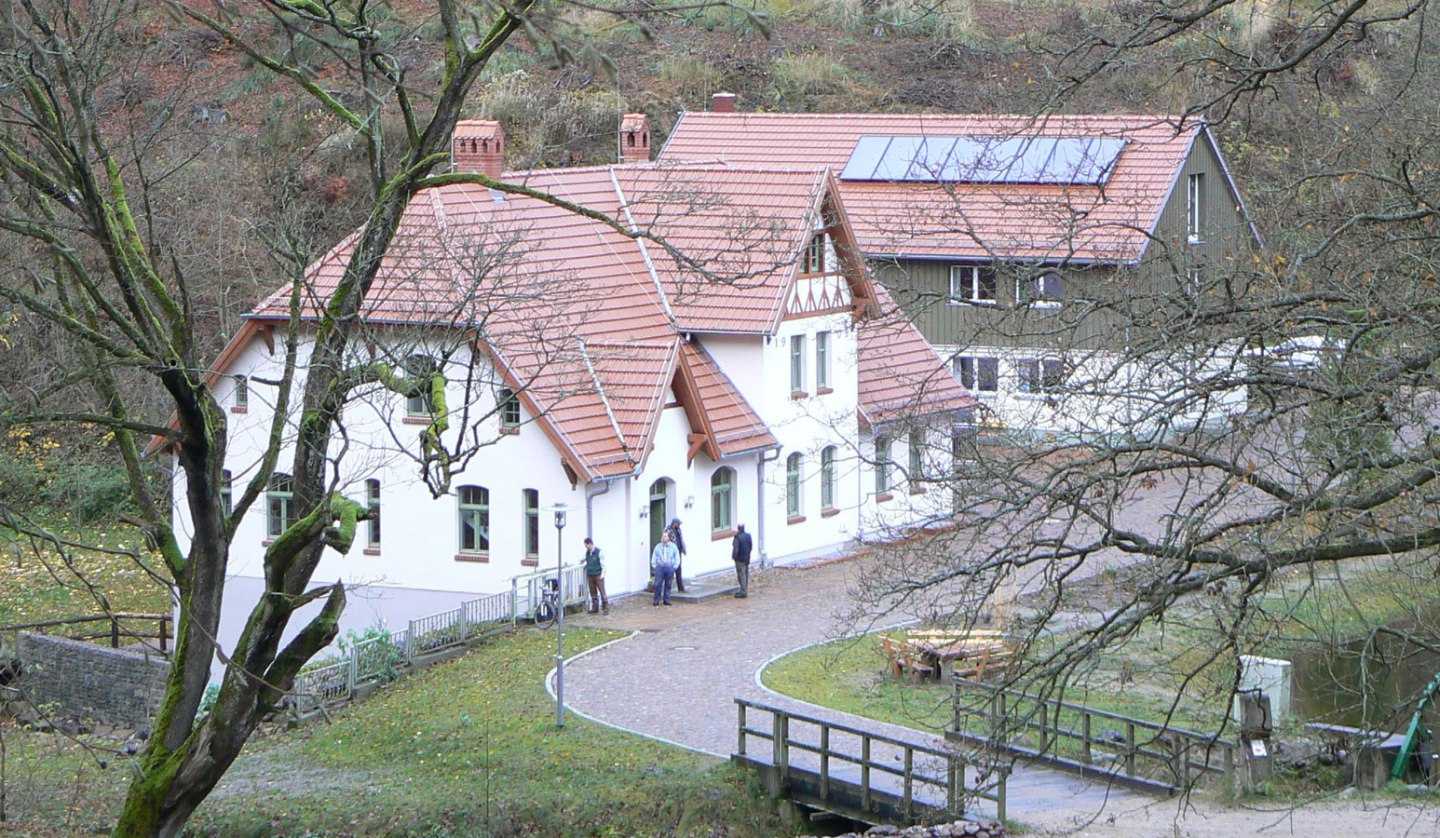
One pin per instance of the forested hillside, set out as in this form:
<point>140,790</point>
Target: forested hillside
<point>206,122</point>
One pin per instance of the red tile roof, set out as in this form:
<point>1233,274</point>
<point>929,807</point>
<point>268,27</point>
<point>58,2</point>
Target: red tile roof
<point>977,220</point>
<point>733,425</point>
<point>901,374</point>
<point>586,321</point>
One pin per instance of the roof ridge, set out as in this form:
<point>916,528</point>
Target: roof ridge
<point>656,406</point>
<point>1159,115</point>
<point>600,391</point>
<point>640,245</point>
<point>629,343</point>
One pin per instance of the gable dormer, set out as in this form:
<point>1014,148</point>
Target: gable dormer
<point>830,275</point>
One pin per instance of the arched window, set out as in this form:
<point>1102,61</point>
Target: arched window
<point>827,478</point>
<point>474,519</point>
<point>277,503</point>
<point>226,490</point>
<point>917,458</point>
<point>793,478</point>
<point>882,465</point>
<point>722,499</point>
<point>372,500</point>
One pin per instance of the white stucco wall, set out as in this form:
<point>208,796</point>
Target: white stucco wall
<point>1107,394</point>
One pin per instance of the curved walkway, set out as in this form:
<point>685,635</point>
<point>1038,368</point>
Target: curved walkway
<point>675,678</point>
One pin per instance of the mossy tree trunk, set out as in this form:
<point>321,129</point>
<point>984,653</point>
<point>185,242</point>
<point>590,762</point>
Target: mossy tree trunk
<point>123,299</point>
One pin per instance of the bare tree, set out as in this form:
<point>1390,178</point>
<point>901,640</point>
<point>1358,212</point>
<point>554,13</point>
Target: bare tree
<point>1278,451</point>
<point>94,261</point>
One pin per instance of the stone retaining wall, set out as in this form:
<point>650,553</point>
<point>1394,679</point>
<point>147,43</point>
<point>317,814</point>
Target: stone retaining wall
<point>115,686</point>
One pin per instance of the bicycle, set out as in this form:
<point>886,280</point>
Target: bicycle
<point>547,610</point>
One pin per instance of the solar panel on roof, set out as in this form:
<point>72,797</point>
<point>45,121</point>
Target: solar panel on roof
<point>898,158</point>
<point>864,158</point>
<point>1049,160</point>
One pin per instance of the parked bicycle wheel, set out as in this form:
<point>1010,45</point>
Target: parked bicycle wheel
<point>545,614</point>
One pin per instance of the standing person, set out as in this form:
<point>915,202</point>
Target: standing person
<point>595,578</point>
<point>740,549</point>
<point>665,559</point>
<point>675,536</point>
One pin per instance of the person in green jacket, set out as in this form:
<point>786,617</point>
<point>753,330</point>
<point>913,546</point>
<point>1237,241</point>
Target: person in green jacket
<point>595,578</point>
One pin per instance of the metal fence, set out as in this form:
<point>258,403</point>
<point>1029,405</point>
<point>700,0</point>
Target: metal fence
<point>381,658</point>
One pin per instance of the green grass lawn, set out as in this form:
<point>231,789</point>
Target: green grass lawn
<point>465,748</point>
<point>39,582</point>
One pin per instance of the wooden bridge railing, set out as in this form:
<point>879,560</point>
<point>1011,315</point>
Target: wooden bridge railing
<point>1069,735</point>
<point>910,772</point>
<point>116,626</point>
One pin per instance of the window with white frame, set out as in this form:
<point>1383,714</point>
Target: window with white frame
<point>278,497</point>
<point>1041,375</point>
<point>1195,208</point>
<point>813,260</point>
<point>973,284</point>
<point>822,361</point>
<point>827,477</point>
<point>242,394</point>
<point>531,500</point>
<point>1046,289</point>
<point>917,457</point>
<point>797,364</point>
<point>793,479</point>
<point>509,405</point>
<point>227,490</point>
<point>474,519</point>
<point>882,465</point>
<point>977,373</point>
<point>722,499</point>
<point>420,369</point>
<point>372,502</point>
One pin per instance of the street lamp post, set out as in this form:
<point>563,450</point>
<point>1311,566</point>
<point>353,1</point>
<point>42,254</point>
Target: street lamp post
<point>559,616</point>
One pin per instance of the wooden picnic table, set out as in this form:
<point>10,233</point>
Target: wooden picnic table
<point>949,650</point>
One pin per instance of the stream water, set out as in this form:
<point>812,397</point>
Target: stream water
<point>1375,690</point>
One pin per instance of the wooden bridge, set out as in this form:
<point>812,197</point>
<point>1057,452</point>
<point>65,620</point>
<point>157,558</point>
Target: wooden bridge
<point>1094,744</point>
<point>864,775</point>
<point>1086,760</point>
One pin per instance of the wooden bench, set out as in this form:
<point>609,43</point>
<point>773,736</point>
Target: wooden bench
<point>901,658</point>
<point>990,657</point>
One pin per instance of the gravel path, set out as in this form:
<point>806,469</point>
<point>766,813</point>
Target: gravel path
<point>676,677</point>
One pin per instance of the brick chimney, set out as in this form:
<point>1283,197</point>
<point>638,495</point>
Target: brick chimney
<point>722,103</point>
<point>634,138</point>
<point>478,145</point>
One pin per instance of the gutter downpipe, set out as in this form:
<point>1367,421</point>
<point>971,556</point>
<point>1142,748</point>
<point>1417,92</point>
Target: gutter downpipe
<point>590,506</point>
<point>760,503</point>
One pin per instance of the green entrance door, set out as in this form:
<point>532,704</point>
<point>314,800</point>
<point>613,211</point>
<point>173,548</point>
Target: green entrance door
<point>659,503</point>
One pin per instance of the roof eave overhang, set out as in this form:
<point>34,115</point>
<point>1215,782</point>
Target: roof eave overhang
<point>1065,260</point>
<point>754,449</point>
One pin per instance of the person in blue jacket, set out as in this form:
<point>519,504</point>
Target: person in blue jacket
<point>665,559</point>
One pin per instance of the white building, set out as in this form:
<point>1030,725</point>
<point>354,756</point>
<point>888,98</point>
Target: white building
<point>719,355</point>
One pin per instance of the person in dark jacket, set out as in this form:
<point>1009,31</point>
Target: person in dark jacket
<point>740,549</point>
<point>679,541</point>
<point>595,578</point>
